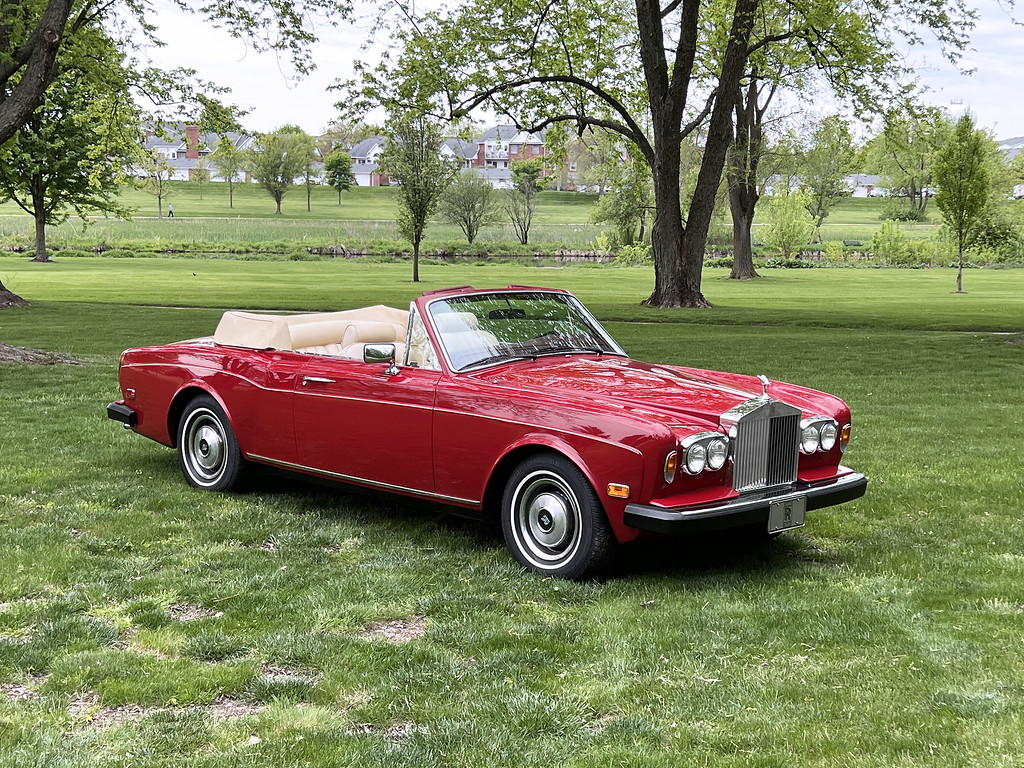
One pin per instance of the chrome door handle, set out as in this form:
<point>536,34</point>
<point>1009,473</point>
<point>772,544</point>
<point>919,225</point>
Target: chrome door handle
<point>316,380</point>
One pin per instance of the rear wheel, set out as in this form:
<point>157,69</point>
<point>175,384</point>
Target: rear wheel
<point>552,520</point>
<point>207,449</point>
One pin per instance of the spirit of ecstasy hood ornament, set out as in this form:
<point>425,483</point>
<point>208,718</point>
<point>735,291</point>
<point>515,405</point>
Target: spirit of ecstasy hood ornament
<point>765,381</point>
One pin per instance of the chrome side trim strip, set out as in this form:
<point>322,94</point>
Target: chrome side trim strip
<point>360,480</point>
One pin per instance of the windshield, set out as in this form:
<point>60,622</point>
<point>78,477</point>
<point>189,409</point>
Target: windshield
<point>479,329</point>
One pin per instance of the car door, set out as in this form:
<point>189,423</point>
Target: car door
<point>354,422</point>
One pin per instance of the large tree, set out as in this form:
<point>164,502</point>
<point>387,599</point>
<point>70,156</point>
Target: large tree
<point>412,157</point>
<point>904,153</point>
<point>277,159</point>
<point>34,32</point>
<point>962,173</point>
<point>654,72</point>
<point>73,152</point>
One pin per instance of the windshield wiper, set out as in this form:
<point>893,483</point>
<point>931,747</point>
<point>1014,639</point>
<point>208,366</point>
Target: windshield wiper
<point>548,351</point>
<point>497,359</point>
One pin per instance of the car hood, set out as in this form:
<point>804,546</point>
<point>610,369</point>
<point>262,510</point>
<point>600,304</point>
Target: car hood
<point>689,395</point>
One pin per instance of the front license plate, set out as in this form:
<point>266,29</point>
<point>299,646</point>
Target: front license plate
<point>783,515</point>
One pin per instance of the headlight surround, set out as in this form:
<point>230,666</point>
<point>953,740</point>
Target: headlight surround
<point>705,451</point>
<point>818,433</point>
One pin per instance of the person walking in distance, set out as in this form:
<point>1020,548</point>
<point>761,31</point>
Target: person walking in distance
<point>170,211</point>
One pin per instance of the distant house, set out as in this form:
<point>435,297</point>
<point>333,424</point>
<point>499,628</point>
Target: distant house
<point>365,156</point>
<point>1011,147</point>
<point>866,185</point>
<point>186,146</point>
<point>463,151</point>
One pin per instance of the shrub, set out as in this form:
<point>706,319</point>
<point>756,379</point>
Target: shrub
<point>835,251</point>
<point>788,226</point>
<point>898,211</point>
<point>638,255</point>
<point>890,244</point>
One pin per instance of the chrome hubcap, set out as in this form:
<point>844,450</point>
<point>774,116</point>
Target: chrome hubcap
<point>546,519</point>
<point>205,447</point>
<point>209,448</point>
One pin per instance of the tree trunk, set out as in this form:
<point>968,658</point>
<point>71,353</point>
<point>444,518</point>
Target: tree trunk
<point>679,251</point>
<point>742,201</point>
<point>39,214</point>
<point>960,271</point>
<point>231,195</point>
<point>8,299</point>
<point>159,205</point>
<point>416,259</point>
<point>278,201</point>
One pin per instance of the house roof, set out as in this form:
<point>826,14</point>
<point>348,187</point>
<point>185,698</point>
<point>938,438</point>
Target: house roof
<point>504,133</point>
<point>466,149</point>
<point>364,147</point>
<point>1012,147</point>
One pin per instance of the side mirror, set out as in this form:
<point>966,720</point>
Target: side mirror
<point>381,353</point>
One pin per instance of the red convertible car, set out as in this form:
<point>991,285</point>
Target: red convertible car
<point>512,402</point>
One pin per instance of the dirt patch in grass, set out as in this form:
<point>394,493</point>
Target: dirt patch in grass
<point>394,732</point>
<point>398,630</point>
<point>86,711</point>
<point>191,612</point>
<point>281,673</point>
<point>25,690</point>
<point>1017,340</point>
<point>12,354</point>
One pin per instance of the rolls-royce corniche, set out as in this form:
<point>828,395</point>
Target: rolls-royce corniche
<point>512,402</point>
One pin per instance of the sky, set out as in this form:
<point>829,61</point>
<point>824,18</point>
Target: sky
<point>267,86</point>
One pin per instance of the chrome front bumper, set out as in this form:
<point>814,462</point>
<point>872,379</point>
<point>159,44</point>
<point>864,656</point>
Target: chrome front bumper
<point>748,509</point>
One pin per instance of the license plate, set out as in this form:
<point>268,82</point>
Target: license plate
<point>783,515</point>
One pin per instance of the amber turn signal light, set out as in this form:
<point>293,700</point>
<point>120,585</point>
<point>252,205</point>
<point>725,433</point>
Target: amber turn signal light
<point>844,438</point>
<point>617,491</point>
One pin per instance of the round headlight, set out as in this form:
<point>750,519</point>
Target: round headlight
<point>828,436</point>
<point>718,452</point>
<point>809,438</point>
<point>696,458</point>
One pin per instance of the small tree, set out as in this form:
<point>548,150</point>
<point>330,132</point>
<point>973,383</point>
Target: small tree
<point>200,174</point>
<point>338,170</point>
<point>157,179</point>
<point>963,177</point>
<point>788,225</point>
<point>629,202</point>
<point>519,201</point>
<point>413,158</point>
<point>229,161</point>
<point>278,158</point>
<point>72,152</point>
<point>829,158</point>
<point>468,203</point>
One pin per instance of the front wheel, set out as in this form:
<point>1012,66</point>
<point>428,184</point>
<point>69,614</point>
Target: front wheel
<point>552,520</point>
<point>207,449</point>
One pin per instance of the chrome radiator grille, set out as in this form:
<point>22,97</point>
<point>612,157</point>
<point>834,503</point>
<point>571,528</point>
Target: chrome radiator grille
<point>766,448</point>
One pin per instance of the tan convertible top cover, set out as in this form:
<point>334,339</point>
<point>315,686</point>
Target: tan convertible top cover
<point>259,331</point>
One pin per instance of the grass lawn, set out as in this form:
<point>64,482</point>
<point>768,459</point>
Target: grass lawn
<point>144,623</point>
<point>366,217</point>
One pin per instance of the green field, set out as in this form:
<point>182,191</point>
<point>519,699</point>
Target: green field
<point>143,623</point>
<point>365,219</point>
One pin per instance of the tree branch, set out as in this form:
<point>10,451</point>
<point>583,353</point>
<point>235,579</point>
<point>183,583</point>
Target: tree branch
<point>38,70</point>
<point>632,130</point>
